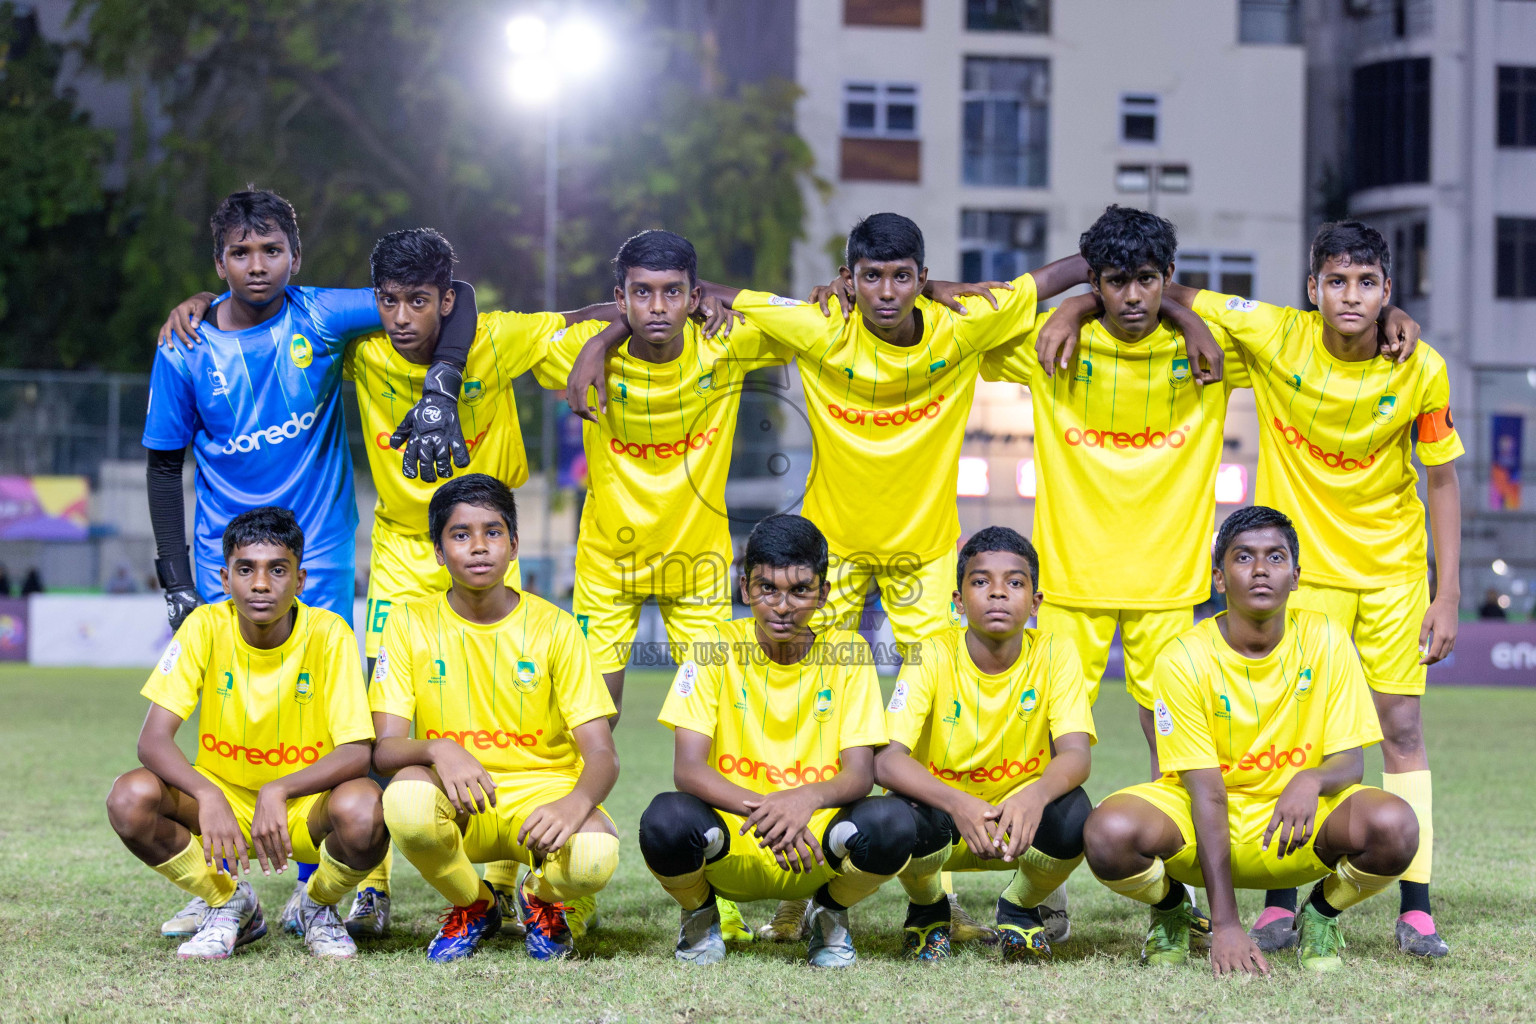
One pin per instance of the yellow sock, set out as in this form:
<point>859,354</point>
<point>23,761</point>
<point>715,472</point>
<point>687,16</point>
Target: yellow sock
<point>189,872</point>
<point>1414,787</point>
<point>1149,886</point>
<point>1037,877</point>
<point>579,868</point>
<point>691,890</point>
<point>1349,885</point>
<point>502,874</point>
<point>421,820</point>
<point>332,879</point>
<point>947,879</point>
<point>923,879</point>
<point>378,878</point>
<point>852,885</point>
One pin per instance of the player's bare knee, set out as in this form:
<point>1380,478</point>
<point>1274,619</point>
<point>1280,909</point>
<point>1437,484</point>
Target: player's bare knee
<point>356,810</point>
<point>1393,834</point>
<point>415,773</point>
<point>133,801</point>
<point>1111,843</point>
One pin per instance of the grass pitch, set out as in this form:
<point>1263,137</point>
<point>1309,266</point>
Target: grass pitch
<point>79,916</point>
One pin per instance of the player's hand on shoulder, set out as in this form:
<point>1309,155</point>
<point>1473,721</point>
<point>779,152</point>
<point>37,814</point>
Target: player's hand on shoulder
<point>179,603</point>
<point>717,318</point>
<point>184,320</point>
<point>1056,343</point>
<point>840,289</point>
<point>1399,335</point>
<point>430,431</point>
<point>1233,952</point>
<point>590,370</point>
<point>269,828</point>
<point>468,785</point>
<point>949,293</point>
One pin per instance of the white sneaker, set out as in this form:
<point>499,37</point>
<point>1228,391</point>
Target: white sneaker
<point>227,928</point>
<point>831,942</point>
<point>369,916</point>
<point>184,923</point>
<point>322,929</point>
<point>290,920</point>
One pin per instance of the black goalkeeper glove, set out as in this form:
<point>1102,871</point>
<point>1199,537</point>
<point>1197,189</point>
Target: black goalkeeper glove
<point>175,574</point>
<point>430,431</point>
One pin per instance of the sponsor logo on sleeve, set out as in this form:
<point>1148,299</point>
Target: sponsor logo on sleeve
<point>686,674</point>
<point>898,697</point>
<point>171,656</point>
<point>381,667</point>
<point>1239,305</point>
<point>780,300</point>
<point>1163,717</point>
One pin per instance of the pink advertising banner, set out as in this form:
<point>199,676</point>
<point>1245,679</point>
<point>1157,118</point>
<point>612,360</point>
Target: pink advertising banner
<point>44,507</point>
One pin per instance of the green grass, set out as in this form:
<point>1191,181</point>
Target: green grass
<point>79,916</point>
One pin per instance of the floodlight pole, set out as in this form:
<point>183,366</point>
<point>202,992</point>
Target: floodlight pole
<point>551,290</point>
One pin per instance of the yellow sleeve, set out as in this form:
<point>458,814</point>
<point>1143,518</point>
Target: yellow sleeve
<point>1015,362</point>
<point>863,717</point>
<point>393,691</point>
<point>518,340</point>
<point>693,698</point>
<point>1251,325</point>
<point>1351,713</point>
<point>1234,372</point>
<point>1068,707</point>
<point>1438,441</point>
<point>346,698</point>
<point>580,692</point>
<point>749,348</point>
<point>985,328</point>
<point>1179,712</point>
<point>349,360</point>
<point>912,701</point>
<point>177,681</point>
<point>554,369</point>
<point>798,326</point>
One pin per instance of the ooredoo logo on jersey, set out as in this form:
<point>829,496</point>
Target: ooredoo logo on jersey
<point>290,428</point>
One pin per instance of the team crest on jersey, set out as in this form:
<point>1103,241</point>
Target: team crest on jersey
<point>1304,684</point>
<point>1163,718</point>
<point>898,697</point>
<point>171,656</point>
<point>527,676</point>
<point>226,684</point>
<point>1085,370</point>
<point>302,352</point>
<point>219,381</point>
<point>937,365</point>
<point>705,382</point>
<point>1026,705</point>
<point>473,391</point>
<point>304,689</point>
<point>822,709</point>
<point>439,672</point>
<point>1386,408</point>
<point>1178,373</point>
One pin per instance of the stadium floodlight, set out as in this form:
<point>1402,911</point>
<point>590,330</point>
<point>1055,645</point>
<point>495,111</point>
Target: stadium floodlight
<point>1500,567</point>
<point>546,54</point>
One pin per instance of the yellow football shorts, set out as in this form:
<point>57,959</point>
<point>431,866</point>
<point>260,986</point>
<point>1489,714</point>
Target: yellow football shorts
<point>1143,634</point>
<point>243,802</point>
<point>1253,867</point>
<point>917,597</point>
<point>491,835</point>
<point>749,872</point>
<point>403,567</point>
<point>609,617</point>
<point>1385,624</point>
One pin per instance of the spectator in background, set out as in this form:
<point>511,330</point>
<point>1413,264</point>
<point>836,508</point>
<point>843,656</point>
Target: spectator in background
<point>122,581</point>
<point>32,583</point>
<point>5,581</point>
<point>1491,608</point>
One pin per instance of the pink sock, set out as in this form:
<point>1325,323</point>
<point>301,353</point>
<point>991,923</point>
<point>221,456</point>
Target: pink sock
<point>1419,922</point>
<point>1273,914</point>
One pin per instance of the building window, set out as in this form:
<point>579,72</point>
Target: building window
<point>1517,107</point>
<point>1514,258</point>
<point>1269,21</point>
<point>1008,16</point>
<point>880,110</point>
<point>1229,273</point>
<point>1138,118</point>
<point>884,13</point>
<point>1007,121</point>
<point>1391,123</point>
<point>1410,260</point>
<point>1000,245</point>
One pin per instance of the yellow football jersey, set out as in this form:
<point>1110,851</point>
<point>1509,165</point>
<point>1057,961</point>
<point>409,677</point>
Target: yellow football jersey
<point>887,421</point>
<point>1126,452</point>
<point>265,714</point>
<point>1260,720</point>
<point>1334,440</point>
<point>509,693</point>
<point>777,726</point>
<point>655,518</point>
<point>505,345</point>
<point>988,735</point>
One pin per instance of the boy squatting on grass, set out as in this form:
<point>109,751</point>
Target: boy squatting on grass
<point>282,757</point>
<point>513,753</point>
<point>1261,716</point>
<point>775,729</point>
<point>989,737</point>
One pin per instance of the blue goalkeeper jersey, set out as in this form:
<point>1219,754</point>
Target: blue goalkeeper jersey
<point>262,411</point>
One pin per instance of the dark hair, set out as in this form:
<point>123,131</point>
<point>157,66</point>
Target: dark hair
<point>784,541</point>
<point>1255,517</point>
<point>477,489</point>
<point>1127,239</point>
<point>254,211</point>
<point>268,524</point>
<point>415,256</point>
<point>998,538</point>
<point>656,250</point>
<point>884,238</point>
<point>1359,241</point>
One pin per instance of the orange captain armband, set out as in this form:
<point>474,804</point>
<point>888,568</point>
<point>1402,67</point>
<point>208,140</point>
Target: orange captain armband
<point>1435,426</point>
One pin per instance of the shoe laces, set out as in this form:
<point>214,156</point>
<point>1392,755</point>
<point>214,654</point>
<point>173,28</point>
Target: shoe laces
<point>1168,926</point>
<point>548,918</point>
<point>456,920</point>
<point>325,923</point>
<point>1321,936</point>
